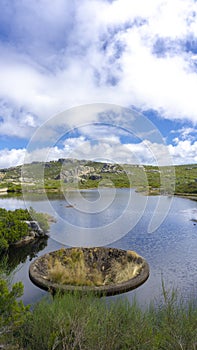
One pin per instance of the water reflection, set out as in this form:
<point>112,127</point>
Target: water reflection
<point>16,256</point>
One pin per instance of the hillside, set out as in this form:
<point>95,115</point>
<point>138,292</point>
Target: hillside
<point>66,174</point>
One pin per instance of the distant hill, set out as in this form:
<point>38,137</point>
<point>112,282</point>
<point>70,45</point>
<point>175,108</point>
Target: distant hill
<point>66,174</point>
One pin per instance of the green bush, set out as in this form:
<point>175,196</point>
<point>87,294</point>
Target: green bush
<point>84,322</point>
<point>14,188</point>
<point>12,312</point>
<point>13,226</point>
<point>41,218</point>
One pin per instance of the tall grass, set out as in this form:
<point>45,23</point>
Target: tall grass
<point>74,268</point>
<point>84,322</point>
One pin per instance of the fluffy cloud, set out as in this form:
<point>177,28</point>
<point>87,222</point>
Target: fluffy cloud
<point>100,52</point>
<point>104,149</point>
<point>184,152</point>
<point>54,56</point>
<point>11,157</point>
<point>16,122</point>
<point>185,133</point>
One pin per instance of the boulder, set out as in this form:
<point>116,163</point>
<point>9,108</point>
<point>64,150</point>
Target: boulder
<point>95,177</point>
<point>35,227</point>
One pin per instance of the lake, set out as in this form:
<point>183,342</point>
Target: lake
<point>117,218</point>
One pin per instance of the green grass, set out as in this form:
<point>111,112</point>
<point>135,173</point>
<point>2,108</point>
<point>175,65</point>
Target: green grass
<point>84,322</point>
<point>145,178</point>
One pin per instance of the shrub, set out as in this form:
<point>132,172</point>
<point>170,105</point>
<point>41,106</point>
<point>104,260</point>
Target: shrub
<point>12,312</point>
<point>41,218</point>
<point>85,322</point>
<point>13,226</point>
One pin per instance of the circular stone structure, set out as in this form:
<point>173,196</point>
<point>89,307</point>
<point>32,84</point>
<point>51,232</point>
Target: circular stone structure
<point>104,271</point>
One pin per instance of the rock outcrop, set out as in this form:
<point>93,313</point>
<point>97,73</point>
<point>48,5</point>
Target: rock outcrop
<point>35,232</point>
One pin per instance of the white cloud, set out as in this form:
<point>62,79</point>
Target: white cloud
<point>13,157</point>
<point>143,79</point>
<point>103,132</point>
<point>186,133</point>
<point>184,152</point>
<point>110,150</point>
<point>29,120</point>
<point>16,122</point>
<point>96,51</point>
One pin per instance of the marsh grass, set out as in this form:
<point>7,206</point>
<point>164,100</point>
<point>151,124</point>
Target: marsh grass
<point>73,321</point>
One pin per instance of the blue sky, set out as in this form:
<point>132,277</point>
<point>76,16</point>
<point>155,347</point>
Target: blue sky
<point>59,55</point>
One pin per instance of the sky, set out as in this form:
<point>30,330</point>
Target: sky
<point>66,65</point>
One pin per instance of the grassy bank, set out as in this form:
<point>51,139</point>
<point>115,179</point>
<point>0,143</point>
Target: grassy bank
<point>84,322</point>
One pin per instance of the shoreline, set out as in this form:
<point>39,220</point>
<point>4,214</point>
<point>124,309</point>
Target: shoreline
<point>191,196</point>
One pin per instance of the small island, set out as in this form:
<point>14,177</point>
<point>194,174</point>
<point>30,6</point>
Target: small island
<point>103,271</point>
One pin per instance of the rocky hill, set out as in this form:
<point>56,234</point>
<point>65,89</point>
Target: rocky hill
<point>65,174</point>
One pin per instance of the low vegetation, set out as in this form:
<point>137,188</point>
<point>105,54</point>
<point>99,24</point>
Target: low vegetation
<point>75,322</point>
<point>42,218</point>
<point>13,226</point>
<point>12,312</point>
<point>67,174</point>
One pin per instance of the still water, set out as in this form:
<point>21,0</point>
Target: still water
<point>122,220</point>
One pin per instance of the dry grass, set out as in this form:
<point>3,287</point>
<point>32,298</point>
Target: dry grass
<point>74,269</point>
<point>126,272</point>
